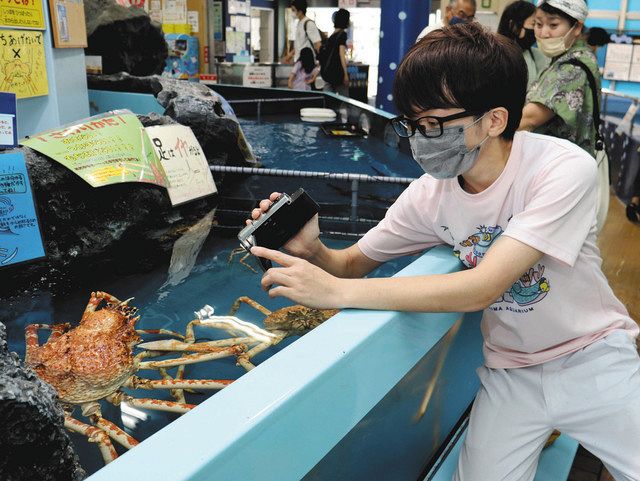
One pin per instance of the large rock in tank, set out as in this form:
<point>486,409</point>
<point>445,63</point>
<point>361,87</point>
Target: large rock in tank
<point>191,104</point>
<point>34,444</point>
<point>125,38</point>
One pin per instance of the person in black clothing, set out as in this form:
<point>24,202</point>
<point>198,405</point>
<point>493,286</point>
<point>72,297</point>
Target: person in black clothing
<point>334,58</point>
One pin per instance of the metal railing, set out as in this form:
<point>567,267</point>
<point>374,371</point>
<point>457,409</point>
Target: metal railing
<point>355,179</point>
<point>259,102</point>
<point>631,111</point>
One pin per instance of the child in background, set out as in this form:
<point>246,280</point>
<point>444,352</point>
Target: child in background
<point>304,72</point>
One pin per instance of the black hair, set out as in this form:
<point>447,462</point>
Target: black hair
<point>307,59</point>
<point>598,36</point>
<point>513,18</point>
<point>463,66</point>
<point>341,18</point>
<point>545,7</point>
<point>299,5</point>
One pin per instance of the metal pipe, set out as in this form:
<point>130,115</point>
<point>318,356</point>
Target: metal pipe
<point>615,93</point>
<point>310,174</point>
<point>285,99</point>
<point>354,199</point>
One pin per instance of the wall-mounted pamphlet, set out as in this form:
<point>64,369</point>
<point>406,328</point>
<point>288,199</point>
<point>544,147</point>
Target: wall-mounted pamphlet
<point>617,64</point>
<point>174,11</point>
<point>236,41</point>
<point>68,24</point>
<point>24,71</point>
<point>110,148</point>
<point>183,161</point>
<point>8,124</point>
<point>257,76</point>
<point>217,20</point>
<point>20,238</point>
<point>22,14</point>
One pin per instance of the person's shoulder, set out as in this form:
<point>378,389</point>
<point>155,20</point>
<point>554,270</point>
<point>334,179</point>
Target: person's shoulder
<point>544,154</point>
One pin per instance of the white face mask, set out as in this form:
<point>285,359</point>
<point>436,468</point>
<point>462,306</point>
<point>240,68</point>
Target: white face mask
<point>555,46</point>
<point>447,156</point>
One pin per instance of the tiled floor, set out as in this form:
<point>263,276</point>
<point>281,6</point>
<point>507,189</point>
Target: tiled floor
<point>619,243</point>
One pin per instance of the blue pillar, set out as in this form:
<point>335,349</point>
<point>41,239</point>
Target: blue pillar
<point>401,22</point>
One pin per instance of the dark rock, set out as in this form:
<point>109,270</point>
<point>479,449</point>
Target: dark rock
<point>191,104</point>
<point>34,444</point>
<point>127,227</point>
<point>125,38</point>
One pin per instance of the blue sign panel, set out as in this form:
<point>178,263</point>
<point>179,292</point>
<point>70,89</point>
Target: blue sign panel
<point>20,238</point>
<point>8,124</point>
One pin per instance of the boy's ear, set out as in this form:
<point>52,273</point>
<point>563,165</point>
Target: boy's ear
<point>498,118</point>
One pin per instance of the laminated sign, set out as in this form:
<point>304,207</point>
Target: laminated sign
<point>21,14</point>
<point>20,238</point>
<point>184,162</point>
<point>23,70</point>
<point>110,148</point>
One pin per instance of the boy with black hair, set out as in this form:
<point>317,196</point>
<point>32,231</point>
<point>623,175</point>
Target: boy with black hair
<point>518,210</point>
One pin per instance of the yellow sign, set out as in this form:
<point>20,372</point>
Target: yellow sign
<point>22,14</point>
<point>23,69</point>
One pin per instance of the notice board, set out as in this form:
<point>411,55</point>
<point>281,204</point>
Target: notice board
<point>21,14</point>
<point>23,70</point>
<point>68,24</point>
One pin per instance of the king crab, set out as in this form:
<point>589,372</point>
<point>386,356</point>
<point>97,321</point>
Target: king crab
<point>95,360</point>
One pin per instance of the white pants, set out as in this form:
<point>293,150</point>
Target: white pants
<point>592,395</point>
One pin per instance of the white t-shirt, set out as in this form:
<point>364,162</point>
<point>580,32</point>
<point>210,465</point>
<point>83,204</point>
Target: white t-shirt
<point>301,41</point>
<point>545,197</point>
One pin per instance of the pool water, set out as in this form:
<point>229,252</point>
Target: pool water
<point>198,270</point>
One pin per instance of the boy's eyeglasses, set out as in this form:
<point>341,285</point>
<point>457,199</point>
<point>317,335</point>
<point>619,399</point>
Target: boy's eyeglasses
<point>430,126</point>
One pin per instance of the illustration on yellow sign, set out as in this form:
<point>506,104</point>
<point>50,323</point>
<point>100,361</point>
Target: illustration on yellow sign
<point>106,149</point>
<point>23,69</point>
<point>21,14</point>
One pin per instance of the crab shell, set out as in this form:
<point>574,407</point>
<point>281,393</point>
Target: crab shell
<point>92,360</point>
<point>297,319</point>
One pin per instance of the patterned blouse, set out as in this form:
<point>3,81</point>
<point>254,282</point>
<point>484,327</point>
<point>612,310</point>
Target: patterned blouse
<point>565,90</point>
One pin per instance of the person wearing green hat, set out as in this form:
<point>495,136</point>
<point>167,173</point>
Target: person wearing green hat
<point>560,102</point>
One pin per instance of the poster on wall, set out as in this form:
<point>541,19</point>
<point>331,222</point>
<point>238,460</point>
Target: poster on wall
<point>174,11</point>
<point>68,24</point>
<point>22,14</point>
<point>617,64</point>
<point>23,69</point>
<point>105,149</point>
<point>184,162</point>
<point>8,123</point>
<point>20,238</point>
<point>217,20</point>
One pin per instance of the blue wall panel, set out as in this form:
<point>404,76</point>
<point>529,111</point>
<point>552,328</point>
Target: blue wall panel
<point>401,21</point>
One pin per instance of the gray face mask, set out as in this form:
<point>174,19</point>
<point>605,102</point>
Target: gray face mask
<point>445,157</point>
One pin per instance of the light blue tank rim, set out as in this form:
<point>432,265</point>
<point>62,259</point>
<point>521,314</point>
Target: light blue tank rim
<point>280,419</point>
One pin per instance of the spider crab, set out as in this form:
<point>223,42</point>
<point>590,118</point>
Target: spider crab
<point>95,360</point>
<point>248,338</point>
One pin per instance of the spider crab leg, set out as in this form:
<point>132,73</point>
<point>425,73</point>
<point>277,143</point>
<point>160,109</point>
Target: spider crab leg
<point>136,382</point>
<point>31,333</point>
<point>173,345</point>
<point>243,259</point>
<point>94,435</point>
<point>152,404</point>
<point>160,331</point>
<point>194,358</point>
